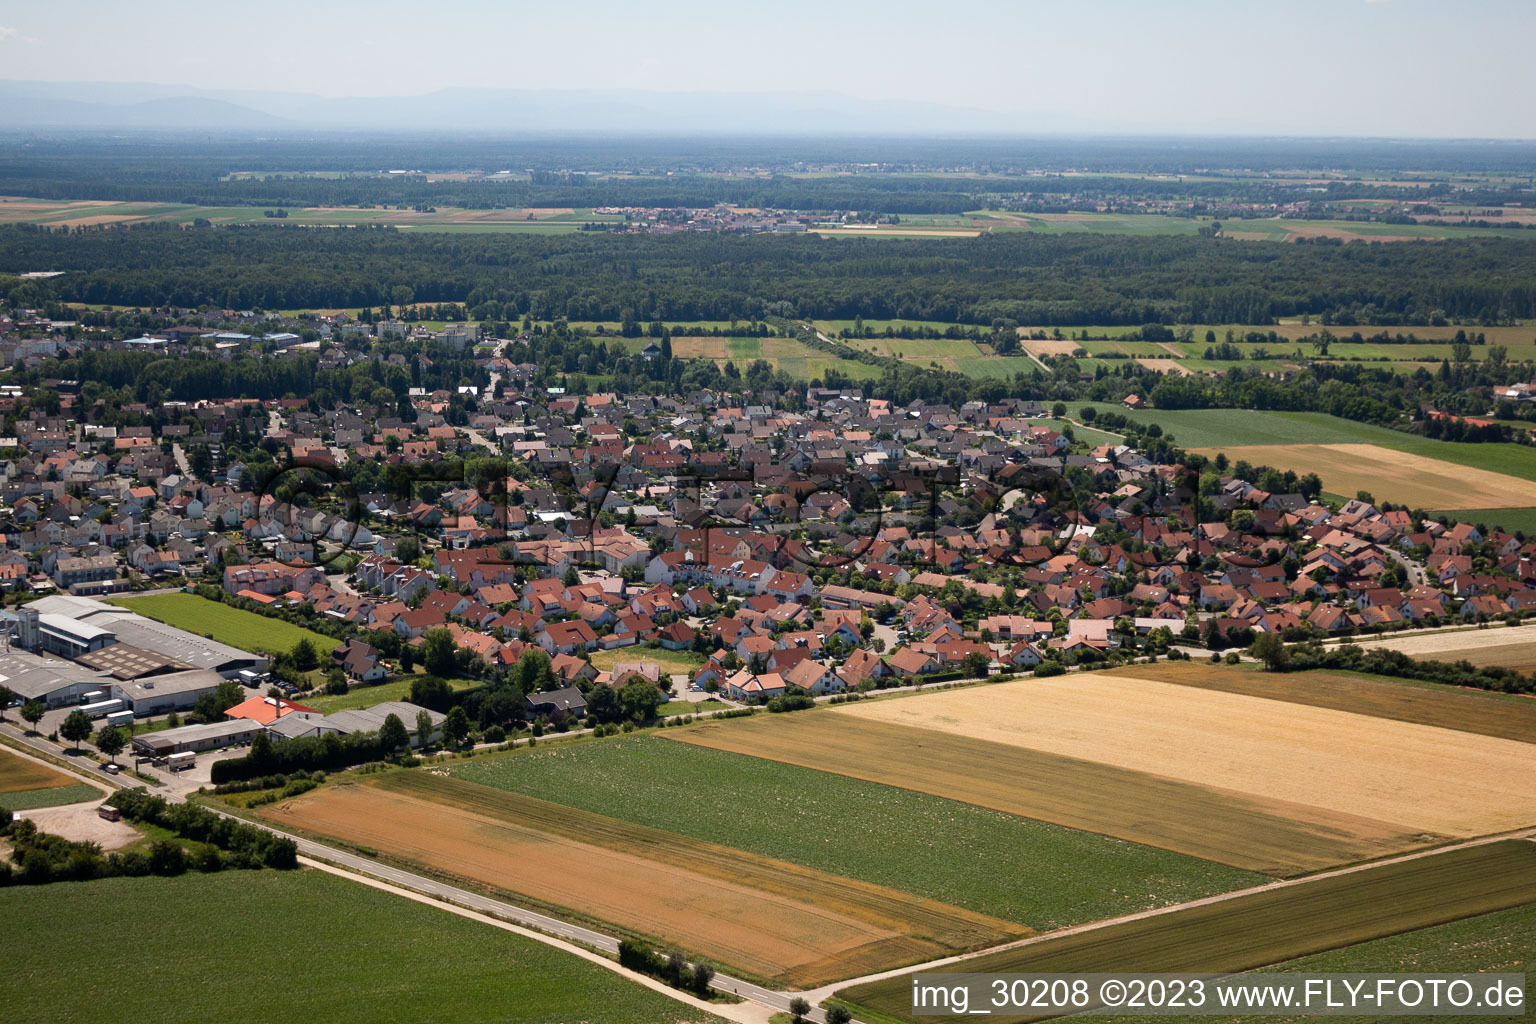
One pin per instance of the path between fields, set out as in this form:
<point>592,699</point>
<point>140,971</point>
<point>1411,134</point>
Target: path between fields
<point>743,1013</point>
<point>818,994</point>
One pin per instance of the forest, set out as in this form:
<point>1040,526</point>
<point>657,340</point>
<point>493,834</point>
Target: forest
<point>1061,280</point>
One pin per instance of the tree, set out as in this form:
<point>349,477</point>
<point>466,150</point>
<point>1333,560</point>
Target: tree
<point>440,653</point>
<point>76,727</point>
<point>407,550</point>
<point>407,658</point>
<point>392,733</point>
<point>211,705</point>
<point>32,711</point>
<point>703,974</point>
<point>1271,650</point>
<point>111,741</point>
<point>6,696</point>
<point>304,656</point>
<point>423,728</point>
<point>639,699</point>
<point>455,726</point>
<point>431,692</point>
<point>798,1008</point>
<point>838,1015</point>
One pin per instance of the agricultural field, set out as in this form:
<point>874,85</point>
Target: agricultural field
<point>778,921</point>
<point>1496,942</point>
<point>1511,520</point>
<point>787,354</point>
<point>1227,428</point>
<point>1387,473</point>
<point>1029,872</point>
<point>93,212</point>
<point>1504,715</point>
<point>1256,929</point>
<point>371,956</point>
<point>1280,789</point>
<point>1395,774</point>
<point>1211,824</point>
<point>25,785</point>
<point>1508,647</point>
<point>226,624</point>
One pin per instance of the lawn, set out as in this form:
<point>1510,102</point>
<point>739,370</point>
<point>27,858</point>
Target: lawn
<point>673,708</point>
<point>368,696</point>
<point>225,624</point>
<point>994,863</point>
<point>1266,927</point>
<point>671,662</point>
<point>365,955</point>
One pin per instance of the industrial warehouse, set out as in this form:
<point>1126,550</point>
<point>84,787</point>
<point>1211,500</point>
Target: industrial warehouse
<point>60,649</point>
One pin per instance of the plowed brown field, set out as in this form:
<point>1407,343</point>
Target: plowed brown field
<point>789,924</point>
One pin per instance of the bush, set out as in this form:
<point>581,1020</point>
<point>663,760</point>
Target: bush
<point>1050,668</point>
<point>791,702</point>
<point>247,845</point>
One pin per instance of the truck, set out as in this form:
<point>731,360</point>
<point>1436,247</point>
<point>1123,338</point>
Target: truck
<point>102,708</point>
<point>120,718</point>
<point>93,697</point>
<point>184,759</point>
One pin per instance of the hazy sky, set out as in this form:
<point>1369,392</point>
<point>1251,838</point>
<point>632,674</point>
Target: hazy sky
<point>1361,67</point>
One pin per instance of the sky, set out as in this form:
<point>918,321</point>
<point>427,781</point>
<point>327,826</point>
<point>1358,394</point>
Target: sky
<point>1407,68</point>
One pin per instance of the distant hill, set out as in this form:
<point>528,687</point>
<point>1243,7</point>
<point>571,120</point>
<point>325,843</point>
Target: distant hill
<point>139,105</point>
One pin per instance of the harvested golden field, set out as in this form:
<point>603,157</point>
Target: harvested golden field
<point>1393,475</point>
<point>1504,715</point>
<point>1047,347</point>
<point>1217,824</point>
<point>1257,929</point>
<point>1409,777</point>
<point>779,921</point>
<point>1161,365</point>
<point>18,775</point>
<point>1507,647</point>
<point>1487,713</point>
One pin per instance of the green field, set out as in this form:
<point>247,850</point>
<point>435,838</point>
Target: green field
<point>1263,928</point>
<point>1503,941</point>
<point>1226,428</point>
<point>1511,520</point>
<point>57,796</point>
<point>228,625</point>
<point>368,696</point>
<point>201,948</point>
<point>1017,869</point>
